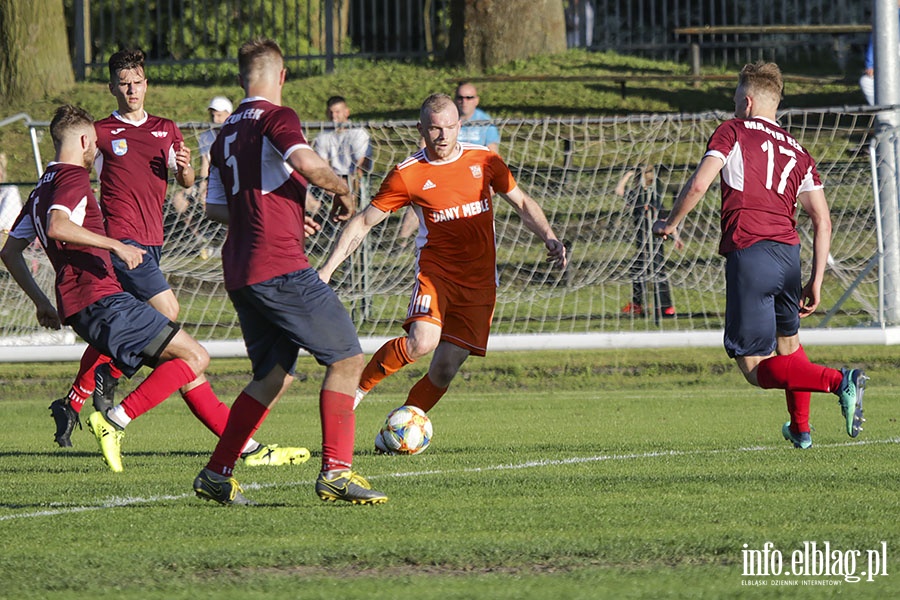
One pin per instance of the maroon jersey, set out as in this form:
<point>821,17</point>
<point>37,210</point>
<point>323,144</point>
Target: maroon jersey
<point>265,196</point>
<point>133,164</point>
<point>765,169</point>
<point>83,274</point>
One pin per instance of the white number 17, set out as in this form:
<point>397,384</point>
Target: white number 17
<point>769,148</point>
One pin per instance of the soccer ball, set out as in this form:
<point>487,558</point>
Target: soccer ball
<point>406,430</point>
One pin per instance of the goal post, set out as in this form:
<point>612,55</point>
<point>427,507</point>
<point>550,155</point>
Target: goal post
<point>577,169</point>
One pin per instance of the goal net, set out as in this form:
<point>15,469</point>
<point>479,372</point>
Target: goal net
<point>592,176</point>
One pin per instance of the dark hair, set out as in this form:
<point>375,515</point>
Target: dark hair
<point>125,60</point>
<point>66,118</point>
<point>335,100</point>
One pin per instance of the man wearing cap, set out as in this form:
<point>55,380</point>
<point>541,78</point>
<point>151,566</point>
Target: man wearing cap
<point>219,109</point>
<point>188,204</point>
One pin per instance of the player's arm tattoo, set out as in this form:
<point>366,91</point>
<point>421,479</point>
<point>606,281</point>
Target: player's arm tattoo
<point>355,241</point>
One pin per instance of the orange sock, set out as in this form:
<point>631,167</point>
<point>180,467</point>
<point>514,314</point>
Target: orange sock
<point>387,360</point>
<point>425,394</point>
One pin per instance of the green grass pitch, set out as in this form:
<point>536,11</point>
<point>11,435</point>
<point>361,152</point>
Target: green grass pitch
<point>609,474</point>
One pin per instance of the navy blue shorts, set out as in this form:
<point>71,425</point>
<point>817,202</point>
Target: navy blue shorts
<point>145,280</point>
<point>125,328</point>
<point>762,297</point>
<point>289,312</point>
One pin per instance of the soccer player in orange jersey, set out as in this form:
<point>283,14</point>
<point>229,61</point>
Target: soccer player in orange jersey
<point>448,184</point>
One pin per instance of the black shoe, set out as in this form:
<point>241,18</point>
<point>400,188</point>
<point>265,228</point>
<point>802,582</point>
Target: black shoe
<point>220,488</point>
<point>105,390</point>
<point>66,419</point>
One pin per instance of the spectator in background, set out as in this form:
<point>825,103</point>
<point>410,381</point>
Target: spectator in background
<point>10,200</point>
<point>345,148</point>
<point>867,81</point>
<point>470,131</point>
<point>644,199</point>
<point>220,108</point>
<point>188,204</point>
<point>573,23</point>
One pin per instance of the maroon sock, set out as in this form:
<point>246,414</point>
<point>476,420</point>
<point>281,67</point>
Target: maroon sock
<point>90,360</point>
<point>796,373</point>
<point>247,414</point>
<point>206,406</point>
<point>338,429</point>
<point>798,408</point>
<point>84,384</point>
<point>159,385</point>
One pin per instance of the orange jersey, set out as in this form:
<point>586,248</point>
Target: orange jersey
<point>456,213</point>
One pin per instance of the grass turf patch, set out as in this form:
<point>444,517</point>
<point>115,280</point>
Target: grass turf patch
<point>599,487</point>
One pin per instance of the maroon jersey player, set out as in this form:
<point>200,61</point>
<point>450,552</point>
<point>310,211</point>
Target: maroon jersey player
<point>135,154</point>
<point>63,214</point>
<point>261,165</point>
<point>765,174</point>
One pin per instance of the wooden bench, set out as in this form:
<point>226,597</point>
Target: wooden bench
<point>695,34</point>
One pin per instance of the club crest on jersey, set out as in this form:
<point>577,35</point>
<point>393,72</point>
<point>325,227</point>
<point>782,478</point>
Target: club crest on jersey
<point>476,171</point>
<point>120,147</point>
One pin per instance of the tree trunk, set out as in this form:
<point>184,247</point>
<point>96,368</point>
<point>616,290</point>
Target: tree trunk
<point>495,32</point>
<point>34,52</point>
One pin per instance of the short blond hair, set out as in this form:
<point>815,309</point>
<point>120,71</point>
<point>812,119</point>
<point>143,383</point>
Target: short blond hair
<point>762,78</point>
<point>434,104</point>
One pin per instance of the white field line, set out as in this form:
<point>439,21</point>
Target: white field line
<point>117,502</point>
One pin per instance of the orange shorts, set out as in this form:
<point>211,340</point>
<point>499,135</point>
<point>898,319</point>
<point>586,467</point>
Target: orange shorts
<point>463,314</point>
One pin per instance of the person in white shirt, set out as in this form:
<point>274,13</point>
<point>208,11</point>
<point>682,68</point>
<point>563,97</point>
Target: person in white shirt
<point>10,200</point>
<point>345,148</point>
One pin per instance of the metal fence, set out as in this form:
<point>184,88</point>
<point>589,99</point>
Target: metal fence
<point>198,39</point>
<point>647,28</point>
